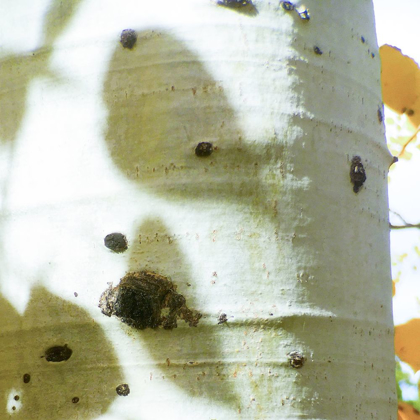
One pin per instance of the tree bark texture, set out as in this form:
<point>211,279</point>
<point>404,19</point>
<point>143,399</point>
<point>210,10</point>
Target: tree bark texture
<point>270,274</point>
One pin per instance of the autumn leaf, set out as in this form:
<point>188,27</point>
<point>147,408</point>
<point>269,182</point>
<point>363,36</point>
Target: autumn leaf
<point>407,412</point>
<point>407,342</point>
<point>400,83</point>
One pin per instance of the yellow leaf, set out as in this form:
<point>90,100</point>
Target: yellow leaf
<point>407,342</point>
<point>400,140</point>
<point>402,257</point>
<point>400,83</point>
<point>406,155</point>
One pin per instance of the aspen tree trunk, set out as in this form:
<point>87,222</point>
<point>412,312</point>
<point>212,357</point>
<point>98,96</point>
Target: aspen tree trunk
<point>264,236</point>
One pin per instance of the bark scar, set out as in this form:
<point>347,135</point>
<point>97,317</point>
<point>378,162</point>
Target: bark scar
<point>139,299</point>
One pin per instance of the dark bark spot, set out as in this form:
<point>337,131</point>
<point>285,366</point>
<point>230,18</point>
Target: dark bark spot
<point>75,400</point>
<point>204,149</point>
<point>357,173</point>
<point>317,50</point>
<point>305,15</point>
<point>58,353</point>
<point>123,390</point>
<point>128,38</point>
<point>296,359</point>
<point>117,242</point>
<point>222,319</point>
<point>286,5</point>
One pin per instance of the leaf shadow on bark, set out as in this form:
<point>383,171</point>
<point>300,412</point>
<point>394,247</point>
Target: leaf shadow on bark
<point>91,374</point>
<point>161,103</point>
<point>17,74</point>
<point>20,70</point>
<point>189,356</point>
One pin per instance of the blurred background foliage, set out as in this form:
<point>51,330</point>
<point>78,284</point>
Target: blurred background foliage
<point>401,95</point>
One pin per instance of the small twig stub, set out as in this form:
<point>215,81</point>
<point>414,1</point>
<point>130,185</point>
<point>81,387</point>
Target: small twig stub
<point>380,115</point>
<point>357,173</point>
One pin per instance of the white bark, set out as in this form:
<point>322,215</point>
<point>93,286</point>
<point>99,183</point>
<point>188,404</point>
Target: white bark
<point>98,139</point>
